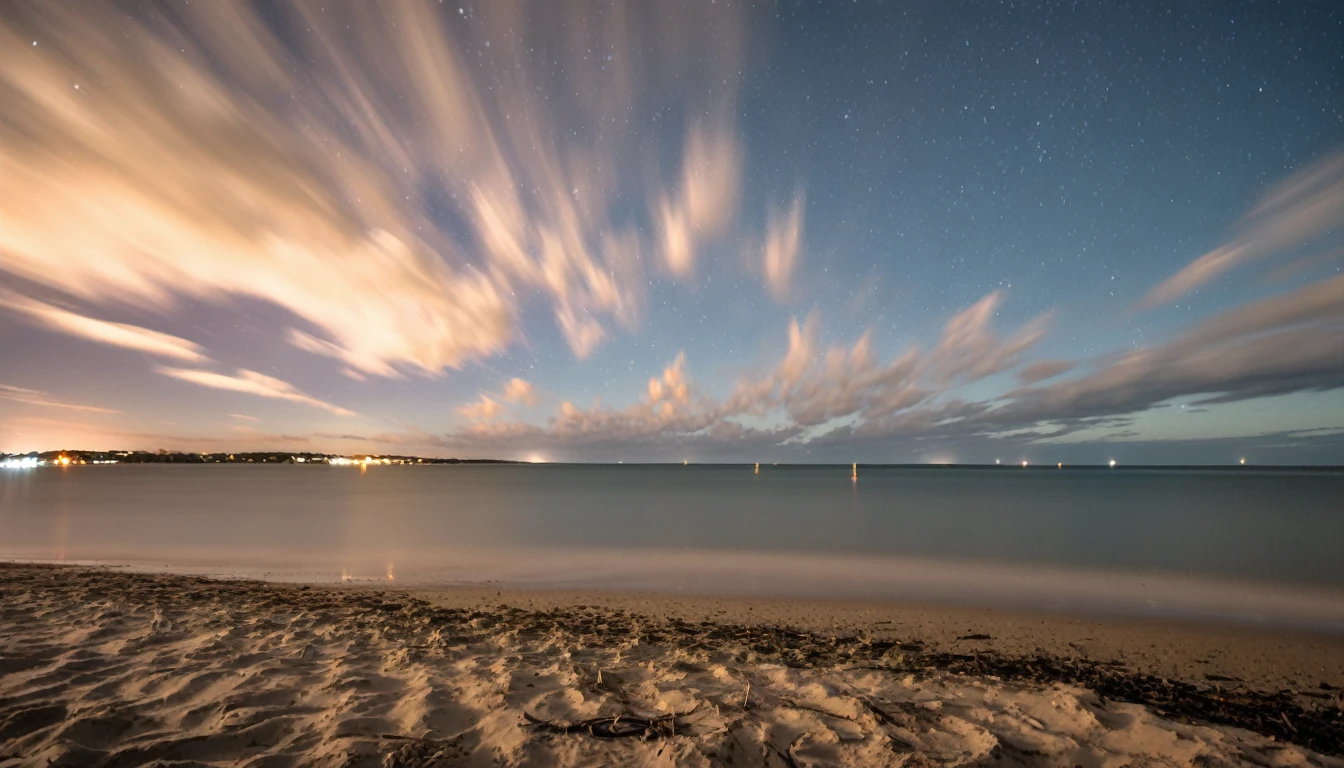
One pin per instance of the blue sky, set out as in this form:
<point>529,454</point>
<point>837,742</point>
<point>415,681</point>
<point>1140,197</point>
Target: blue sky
<point>716,231</point>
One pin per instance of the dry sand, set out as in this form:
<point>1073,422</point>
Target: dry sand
<point>107,668</point>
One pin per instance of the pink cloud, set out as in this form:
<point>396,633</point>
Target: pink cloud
<point>252,383</point>
<point>1293,213</point>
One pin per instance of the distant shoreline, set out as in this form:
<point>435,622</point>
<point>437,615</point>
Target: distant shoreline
<point>54,458</point>
<point>84,457</point>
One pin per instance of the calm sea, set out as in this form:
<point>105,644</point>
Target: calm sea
<point>1258,545</point>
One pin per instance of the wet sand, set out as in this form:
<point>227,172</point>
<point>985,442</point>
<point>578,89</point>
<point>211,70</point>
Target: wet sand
<point>105,667</point>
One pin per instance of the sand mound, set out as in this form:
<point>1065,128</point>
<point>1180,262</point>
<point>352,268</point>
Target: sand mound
<point>111,669</point>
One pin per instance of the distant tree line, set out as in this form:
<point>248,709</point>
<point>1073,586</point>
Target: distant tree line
<point>252,457</point>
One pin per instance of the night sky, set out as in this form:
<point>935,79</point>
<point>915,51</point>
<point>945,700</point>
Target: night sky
<point>711,231</point>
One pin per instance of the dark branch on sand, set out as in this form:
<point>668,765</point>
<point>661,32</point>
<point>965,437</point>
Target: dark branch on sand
<point>614,727</point>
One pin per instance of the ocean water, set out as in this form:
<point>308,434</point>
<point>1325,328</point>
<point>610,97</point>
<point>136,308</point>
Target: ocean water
<point>1264,546</point>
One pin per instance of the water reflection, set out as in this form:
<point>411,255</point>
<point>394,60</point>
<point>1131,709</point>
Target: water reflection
<point>342,524</point>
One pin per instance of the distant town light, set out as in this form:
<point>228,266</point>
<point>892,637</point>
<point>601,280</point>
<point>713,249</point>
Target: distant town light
<point>1112,462</point>
<point>996,461</point>
<point>1024,463</point>
<point>1243,461</point>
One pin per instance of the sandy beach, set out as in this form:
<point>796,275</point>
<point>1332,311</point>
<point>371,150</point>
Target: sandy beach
<point>102,667</point>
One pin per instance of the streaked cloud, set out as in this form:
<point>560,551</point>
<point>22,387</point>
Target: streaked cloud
<point>1285,343</point>
<point>706,201</point>
<point>1295,213</point>
<point>1042,370</point>
<point>252,383</point>
<point>38,397</point>
<point>969,349</point>
<point>102,331</point>
<point>206,159</point>
<point>783,243</point>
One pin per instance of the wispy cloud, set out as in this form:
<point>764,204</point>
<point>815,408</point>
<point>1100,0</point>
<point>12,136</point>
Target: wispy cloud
<point>706,201</point>
<point>806,389</point>
<point>1286,343</point>
<point>38,397</point>
<point>102,331</point>
<point>783,244</point>
<point>252,383</point>
<point>1294,213</point>
<point>1042,370</point>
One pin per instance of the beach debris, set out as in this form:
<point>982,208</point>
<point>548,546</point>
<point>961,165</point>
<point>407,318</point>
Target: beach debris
<point>746,694</point>
<point>622,726</point>
<point>420,752</point>
<point>791,704</point>
<point>885,718</point>
<point>786,754</point>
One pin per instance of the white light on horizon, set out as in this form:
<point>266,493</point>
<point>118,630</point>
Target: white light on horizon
<point>1112,462</point>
